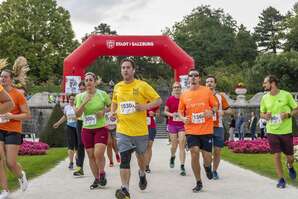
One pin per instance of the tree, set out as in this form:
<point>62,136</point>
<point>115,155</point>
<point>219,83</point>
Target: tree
<point>103,29</point>
<point>284,66</point>
<point>291,22</point>
<point>39,30</point>
<point>245,46</point>
<point>51,136</point>
<point>269,30</point>
<point>206,34</point>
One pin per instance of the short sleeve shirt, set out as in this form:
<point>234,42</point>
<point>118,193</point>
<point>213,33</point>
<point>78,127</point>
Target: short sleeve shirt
<point>98,102</point>
<point>282,102</point>
<point>19,100</point>
<point>193,104</point>
<point>126,96</point>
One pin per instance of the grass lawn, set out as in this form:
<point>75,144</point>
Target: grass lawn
<point>259,163</point>
<point>37,165</point>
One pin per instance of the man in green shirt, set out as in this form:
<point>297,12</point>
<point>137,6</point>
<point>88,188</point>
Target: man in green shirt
<point>278,107</point>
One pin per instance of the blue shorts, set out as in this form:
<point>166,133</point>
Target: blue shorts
<point>152,133</point>
<point>218,137</point>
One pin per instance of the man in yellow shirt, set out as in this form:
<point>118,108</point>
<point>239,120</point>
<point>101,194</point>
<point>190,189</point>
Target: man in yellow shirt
<point>129,105</point>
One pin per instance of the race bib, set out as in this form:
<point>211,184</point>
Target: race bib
<point>89,120</point>
<point>176,117</point>
<point>3,119</point>
<point>127,107</point>
<point>110,120</point>
<point>148,120</point>
<point>276,119</point>
<point>71,118</point>
<point>198,118</point>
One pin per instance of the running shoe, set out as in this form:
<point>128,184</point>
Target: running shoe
<point>78,172</point>
<point>70,166</point>
<point>198,187</point>
<point>23,182</point>
<point>148,170</point>
<point>4,194</point>
<point>102,180</point>
<point>292,173</point>
<point>122,193</point>
<point>172,162</point>
<point>95,184</point>
<point>142,182</point>
<point>281,183</point>
<point>208,172</point>
<point>215,175</point>
<point>182,171</point>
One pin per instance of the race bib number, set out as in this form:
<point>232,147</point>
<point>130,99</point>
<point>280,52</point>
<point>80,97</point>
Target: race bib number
<point>214,117</point>
<point>3,119</point>
<point>148,120</point>
<point>71,118</point>
<point>110,120</point>
<point>176,117</point>
<point>198,118</point>
<point>90,120</point>
<point>127,107</point>
<point>276,119</point>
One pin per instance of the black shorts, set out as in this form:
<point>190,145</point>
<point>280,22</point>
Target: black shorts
<point>152,133</point>
<point>72,139</point>
<point>11,137</point>
<point>204,142</point>
<point>281,143</point>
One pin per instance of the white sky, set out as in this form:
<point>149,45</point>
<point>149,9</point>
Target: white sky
<point>149,17</point>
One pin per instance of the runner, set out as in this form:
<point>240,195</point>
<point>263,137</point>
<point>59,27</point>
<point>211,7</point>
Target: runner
<point>112,142</point>
<point>71,125</point>
<point>222,107</point>
<point>10,134</point>
<point>176,128</point>
<point>195,110</point>
<point>91,104</point>
<point>278,107</point>
<point>151,114</point>
<point>81,149</point>
<point>129,105</point>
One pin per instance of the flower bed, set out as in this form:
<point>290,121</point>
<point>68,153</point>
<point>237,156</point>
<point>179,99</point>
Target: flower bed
<point>33,148</point>
<point>251,146</point>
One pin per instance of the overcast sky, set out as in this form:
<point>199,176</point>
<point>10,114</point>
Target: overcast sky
<point>149,17</point>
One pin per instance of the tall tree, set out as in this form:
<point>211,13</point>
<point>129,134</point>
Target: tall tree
<point>103,29</point>
<point>245,47</point>
<point>269,30</point>
<point>206,34</point>
<point>39,30</point>
<point>291,23</point>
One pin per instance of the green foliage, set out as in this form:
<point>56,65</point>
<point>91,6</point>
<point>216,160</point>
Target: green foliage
<point>269,31</point>
<point>37,165</point>
<point>51,136</point>
<point>39,30</point>
<point>245,47</point>
<point>208,35</point>
<point>284,66</point>
<point>291,23</point>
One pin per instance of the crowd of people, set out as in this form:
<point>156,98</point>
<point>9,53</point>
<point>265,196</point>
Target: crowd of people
<point>123,122</point>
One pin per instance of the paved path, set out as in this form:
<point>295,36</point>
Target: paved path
<point>164,183</point>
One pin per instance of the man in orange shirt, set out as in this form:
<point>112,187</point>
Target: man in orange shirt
<point>222,107</point>
<point>196,108</point>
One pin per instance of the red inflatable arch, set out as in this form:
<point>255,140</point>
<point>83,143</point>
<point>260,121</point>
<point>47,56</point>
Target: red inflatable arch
<point>110,45</point>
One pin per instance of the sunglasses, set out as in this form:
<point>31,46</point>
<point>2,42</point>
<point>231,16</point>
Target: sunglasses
<point>193,75</point>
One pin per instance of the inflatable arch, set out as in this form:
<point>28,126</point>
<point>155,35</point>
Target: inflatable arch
<point>112,45</point>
